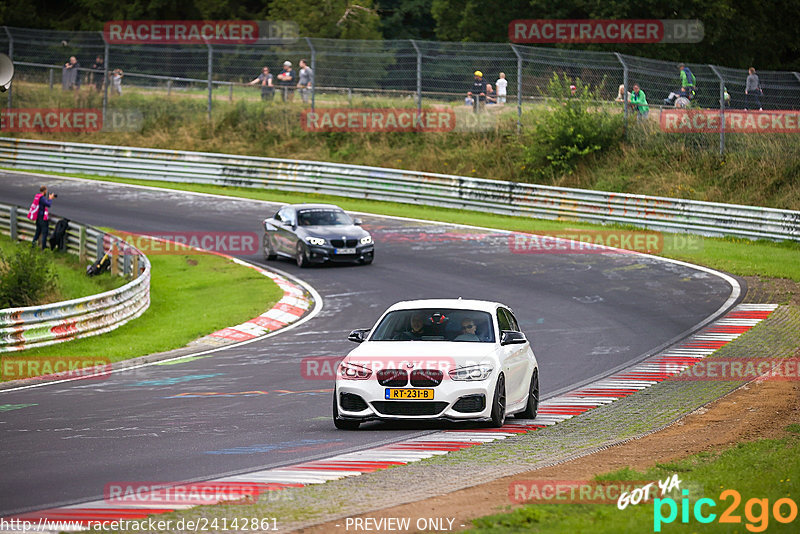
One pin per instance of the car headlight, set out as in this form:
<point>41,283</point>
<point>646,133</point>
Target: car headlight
<point>366,240</point>
<point>472,372</point>
<point>315,241</point>
<point>351,371</point>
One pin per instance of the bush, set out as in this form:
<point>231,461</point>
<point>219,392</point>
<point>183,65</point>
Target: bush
<point>577,127</point>
<point>27,278</point>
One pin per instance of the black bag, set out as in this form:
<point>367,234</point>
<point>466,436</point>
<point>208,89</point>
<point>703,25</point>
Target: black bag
<point>59,237</point>
<point>101,265</point>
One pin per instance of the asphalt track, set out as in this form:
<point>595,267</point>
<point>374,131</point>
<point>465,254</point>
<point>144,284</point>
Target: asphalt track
<point>585,314</point>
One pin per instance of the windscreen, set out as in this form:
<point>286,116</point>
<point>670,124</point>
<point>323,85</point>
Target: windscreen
<point>435,324</point>
<point>321,217</point>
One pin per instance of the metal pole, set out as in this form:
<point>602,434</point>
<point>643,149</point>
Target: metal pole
<point>419,78</point>
<point>12,216</point>
<point>721,109</point>
<point>51,78</point>
<point>624,91</point>
<point>11,56</point>
<point>313,71</point>
<point>519,88</point>
<point>105,76</point>
<point>210,86</point>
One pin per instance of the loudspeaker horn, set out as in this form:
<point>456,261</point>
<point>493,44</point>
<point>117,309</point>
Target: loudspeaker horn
<point>6,72</point>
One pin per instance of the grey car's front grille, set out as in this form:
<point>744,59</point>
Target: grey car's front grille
<point>344,243</point>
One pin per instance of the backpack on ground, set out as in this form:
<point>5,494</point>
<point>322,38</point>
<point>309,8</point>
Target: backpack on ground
<point>101,265</point>
<point>59,237</point>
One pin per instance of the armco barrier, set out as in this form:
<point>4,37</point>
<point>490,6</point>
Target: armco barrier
<point>36,326</point>
<point>507,198</point>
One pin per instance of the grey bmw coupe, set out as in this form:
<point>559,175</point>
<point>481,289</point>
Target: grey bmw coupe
<point>316,233</point>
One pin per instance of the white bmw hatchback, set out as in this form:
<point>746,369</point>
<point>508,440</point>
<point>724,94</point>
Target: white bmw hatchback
<point>448,359</point>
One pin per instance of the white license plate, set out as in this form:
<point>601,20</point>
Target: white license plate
<point>344,251</point>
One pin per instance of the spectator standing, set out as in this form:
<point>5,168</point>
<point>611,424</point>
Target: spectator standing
<point>752,90</point>
<point>478,91</point>
<point>98,77</point>
<point>286,81</point>
<point>638,102</point>
<point>116,81</point>
<point>305,79</point>
<point>267,87</point>
<point>502,87</point>
<point>42,201</point>
<point>70,77</point>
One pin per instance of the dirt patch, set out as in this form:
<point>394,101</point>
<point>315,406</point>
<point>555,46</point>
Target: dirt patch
<point>756,411</point>
<point>772,290</point>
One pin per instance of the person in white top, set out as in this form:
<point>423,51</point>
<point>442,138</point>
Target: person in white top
<point>501,84</point>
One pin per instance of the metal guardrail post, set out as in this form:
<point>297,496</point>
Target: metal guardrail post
<point>419,77</point>
<point>135,266</point>
<point>100,252</point>
<point>313,72</point>
<point>721,109</point>
<point>82,244</point>
<point>105,76</point>
<point>210,85</point>
<point>11,56</point>
<point>519,87</point>
<point>12,216</point>
<point>624,91</point>
<point>126,264</point>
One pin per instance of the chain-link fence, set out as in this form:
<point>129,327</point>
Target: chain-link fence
<point>402,73</point>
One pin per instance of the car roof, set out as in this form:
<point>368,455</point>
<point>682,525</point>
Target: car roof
<point>459,304</point>
<point>299,207</point>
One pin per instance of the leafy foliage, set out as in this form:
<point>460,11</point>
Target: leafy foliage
<point>573,130</point>
<point>27,278</point>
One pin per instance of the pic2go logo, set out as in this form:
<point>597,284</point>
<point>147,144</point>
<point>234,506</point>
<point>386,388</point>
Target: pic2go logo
<point>756,511</point>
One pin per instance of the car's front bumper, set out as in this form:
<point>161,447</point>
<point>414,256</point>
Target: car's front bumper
<point>453,400</point>
<point>324,254</point>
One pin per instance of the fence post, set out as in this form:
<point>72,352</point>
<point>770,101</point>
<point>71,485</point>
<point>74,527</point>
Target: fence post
<point>169,87</point>
<point>419,78</point>
<point>721,109</point>
<point>11,56</point>
<point>135,266</point>
<point>99,244</point>
<point>230,95</point>
<point>210,86</point>
<point>82,244</point>
<point>51,78</point>
<point>126,263</point>
<point>114,257</point>
<point>519,87</point>
<point>12,216</point>
<point>624,91</point>
<point>313,71</point>
<point>105,76</point>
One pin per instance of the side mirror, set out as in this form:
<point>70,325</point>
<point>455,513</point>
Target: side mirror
<point>358,336</point>
<point>509,337</point>
<point>294,225</point>
<point>358,222</point>
<point>266,225</point>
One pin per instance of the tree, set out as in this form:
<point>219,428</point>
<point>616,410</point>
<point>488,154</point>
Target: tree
<point>335,19</point>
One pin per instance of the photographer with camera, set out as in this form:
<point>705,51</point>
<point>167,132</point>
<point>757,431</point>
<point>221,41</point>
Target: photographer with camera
<point>39,212</point>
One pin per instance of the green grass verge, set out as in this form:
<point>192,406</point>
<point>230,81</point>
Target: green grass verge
<point>190,296</point>
<point>764,469</point>
<point>738,256</point>
<point>70,274</point>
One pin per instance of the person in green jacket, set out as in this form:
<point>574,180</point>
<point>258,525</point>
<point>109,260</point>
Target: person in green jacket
<point>638,102</point>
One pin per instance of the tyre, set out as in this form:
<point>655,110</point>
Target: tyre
<point>532,408</point>
<point>269,252</point>
<point>342,424</point>
<point>300,255</point>
<point>499,403</point>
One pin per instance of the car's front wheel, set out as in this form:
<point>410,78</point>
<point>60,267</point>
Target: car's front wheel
<point>342,424</point>
<point>499,403</point>
<point>300,255</point>
<point>532,408</point>
<point>269,251</point>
